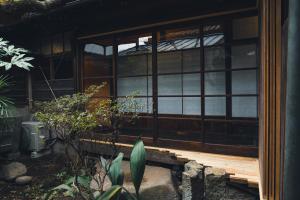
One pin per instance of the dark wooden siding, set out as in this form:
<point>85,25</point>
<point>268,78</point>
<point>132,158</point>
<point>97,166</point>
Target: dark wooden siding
<point>42,92</point>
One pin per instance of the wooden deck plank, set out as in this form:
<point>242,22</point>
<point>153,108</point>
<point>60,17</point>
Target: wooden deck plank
<point>242,170</point>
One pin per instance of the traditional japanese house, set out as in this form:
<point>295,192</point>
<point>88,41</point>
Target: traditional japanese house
<point>211,75</point>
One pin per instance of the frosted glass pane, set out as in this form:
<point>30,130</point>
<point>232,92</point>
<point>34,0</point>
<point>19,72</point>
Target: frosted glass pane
<point>145,104</point>
<point>149,59</point>
<point>244,82</point>
<point>109,50</point>
<point>191,60</point>
<point>244,56</point>
<point>169,85</point>
<point>137,105</point>
<point>192,105</point>
<point>132,65</point>
<point>215,106</point>
<point>214,83</point>
<point>169,62</point>
<point>244,106</point>
<point>170,105</point>
<point>127,86</point>
<point>214,58</point>
<point>150,105</point>
<point>245,27</point>
<point>191,84</point>
<point>149,85</point>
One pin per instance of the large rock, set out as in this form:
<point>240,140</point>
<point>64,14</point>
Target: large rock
<point>98,179</point>
<point>215,183</point>
<point>192,181</point>
<point>11,171</point>
<point>23,180</point>
<point>156,184</point>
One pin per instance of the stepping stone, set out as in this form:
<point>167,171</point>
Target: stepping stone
<point>23,180</point>
<point>11,171</point>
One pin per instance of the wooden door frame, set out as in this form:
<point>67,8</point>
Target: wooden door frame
<point>271,101</point>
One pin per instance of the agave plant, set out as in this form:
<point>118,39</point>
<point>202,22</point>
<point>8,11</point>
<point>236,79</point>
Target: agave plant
<point>116,175</point>
<point>137,169</point>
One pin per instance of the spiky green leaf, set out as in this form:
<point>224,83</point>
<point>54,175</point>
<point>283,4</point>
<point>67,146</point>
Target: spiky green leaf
<point>137,164</point>
<point>115,171</point>
<point>111,193</point>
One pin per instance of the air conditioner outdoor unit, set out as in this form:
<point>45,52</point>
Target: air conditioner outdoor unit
<point>34,137</point>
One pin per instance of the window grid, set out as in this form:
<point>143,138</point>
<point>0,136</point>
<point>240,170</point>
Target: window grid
<point>228,119</point>
<point>148,75</point>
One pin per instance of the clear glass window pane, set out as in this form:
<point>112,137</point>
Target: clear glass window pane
<point>96,64</point>
<point>245,27</point>
<point>191,84</point>
<point>192,105</point>
<point>214,83</point>
<point>178,47</point>
<point>215,106</point>
<point>213,40</point>
<point>214,58</point>
<point>169,62</point>
<point>94,49</point>
<point>244,82</point>
<point>126,49</point>
<point>169,105</point>
<point>127,86</point>
<point>244,106</point>
<point>191,60</point>
<point>244,56</point>
<point>169,85</point>
<point>133,53</point>
<point>132,65</point>
<point>178,39</point>
<point>213,35</point>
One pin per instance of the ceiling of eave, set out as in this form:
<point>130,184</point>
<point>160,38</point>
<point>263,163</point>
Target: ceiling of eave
<point>14,10</point>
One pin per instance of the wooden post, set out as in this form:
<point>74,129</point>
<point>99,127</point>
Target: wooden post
<point>292,136</point>
<point>271,104</point>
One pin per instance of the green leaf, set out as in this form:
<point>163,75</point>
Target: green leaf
<point>96,194</point>
<point>104,163</point>
<point>115,171</point>
<point>84,181</point>
<point>49,195</point>
<point>69,181</point>
<point>111,193</point>
<point>63,187</point>
<point>137,164</point>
